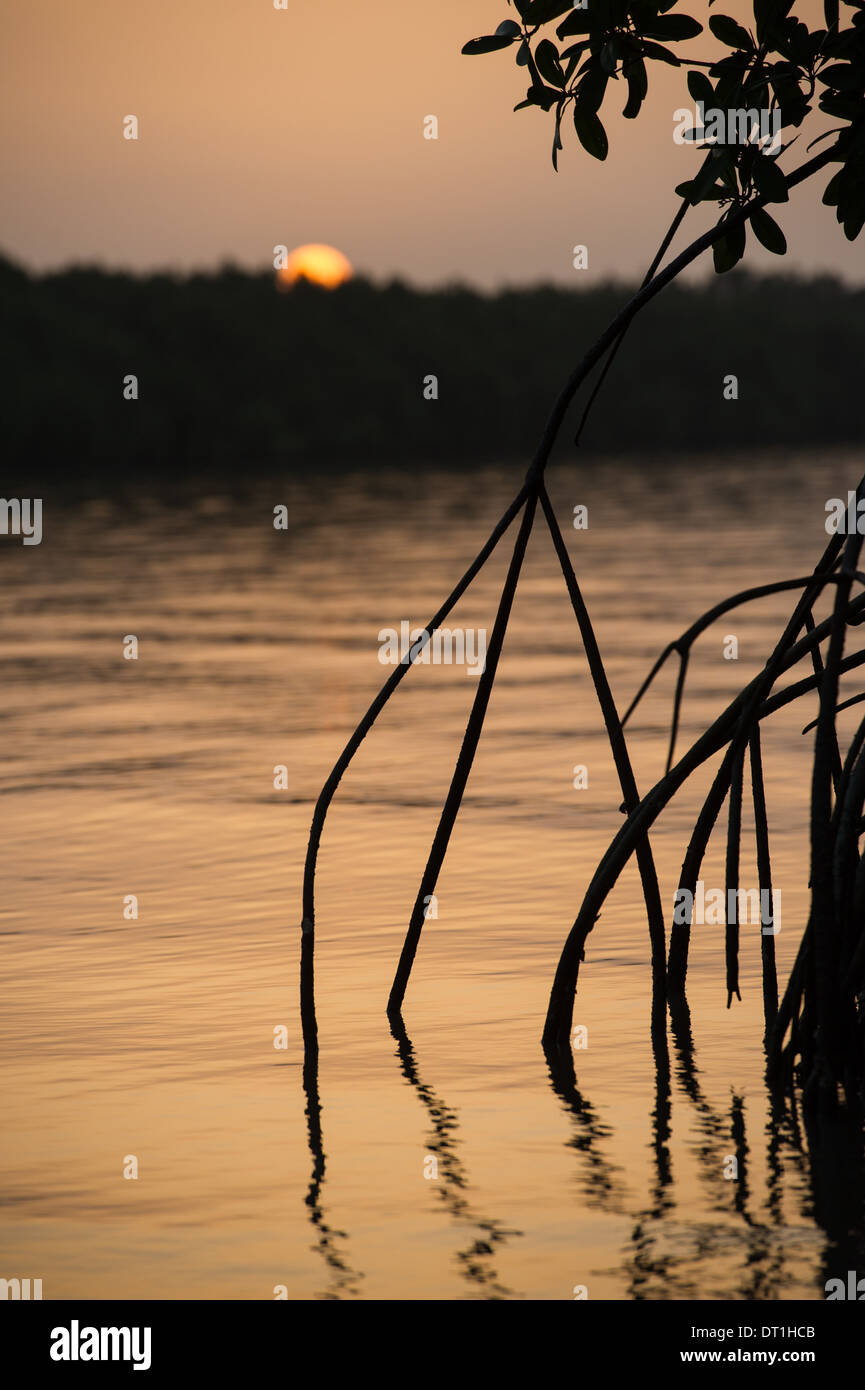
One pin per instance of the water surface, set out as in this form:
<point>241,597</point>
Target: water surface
<point>154,1037</point>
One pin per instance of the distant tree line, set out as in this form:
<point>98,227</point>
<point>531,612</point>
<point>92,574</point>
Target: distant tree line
<point>233,375</point>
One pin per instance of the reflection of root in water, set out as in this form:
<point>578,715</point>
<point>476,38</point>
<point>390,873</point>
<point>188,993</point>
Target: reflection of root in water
<point>476,1261</point>
<point>342,1278</point>
<point>761,1251</point>
<point>601,1180</point>
<point>837,1195</point>
<point>680,1270</point>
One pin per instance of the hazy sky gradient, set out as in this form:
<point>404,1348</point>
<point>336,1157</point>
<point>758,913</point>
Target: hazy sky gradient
<point>260,127</point>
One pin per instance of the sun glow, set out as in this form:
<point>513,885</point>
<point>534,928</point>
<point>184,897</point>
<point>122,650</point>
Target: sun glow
<point>323,265</point>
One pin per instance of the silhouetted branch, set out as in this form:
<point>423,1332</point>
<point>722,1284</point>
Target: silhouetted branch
<point>464,763</point>
<point>619,747</point>
<point>764,877</point>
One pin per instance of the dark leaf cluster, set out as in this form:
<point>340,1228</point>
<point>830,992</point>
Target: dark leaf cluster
<point>773,64</point>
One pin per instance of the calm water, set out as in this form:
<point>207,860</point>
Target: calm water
<point>155,1037</point>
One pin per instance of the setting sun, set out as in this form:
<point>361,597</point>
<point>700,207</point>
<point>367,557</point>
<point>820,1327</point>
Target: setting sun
<point>323,265</point>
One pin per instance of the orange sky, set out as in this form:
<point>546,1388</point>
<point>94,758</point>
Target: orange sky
<point>260,127</point>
